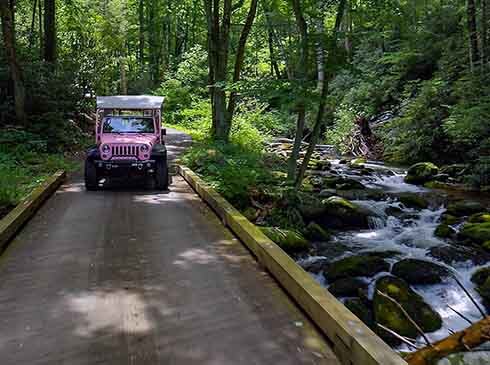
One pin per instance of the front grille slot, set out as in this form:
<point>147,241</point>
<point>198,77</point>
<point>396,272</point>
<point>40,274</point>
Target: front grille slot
<point>125,150</point>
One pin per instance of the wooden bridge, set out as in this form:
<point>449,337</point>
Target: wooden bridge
<point>142,277</point>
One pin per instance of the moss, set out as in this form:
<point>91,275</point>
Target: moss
<point>443,231</point>
<point>362,310</point>
<point>480,275</point>
<point>315,232</point>
<point>421,173</point>
<point>340,213</point>
<point>449,219</point>
<point>347,287</point>
<point>477,232</point>
<point>413,201</point>
<point>389,314</point>
<point>361,265</point>
<point>464,208</point>
<point>416,271</point>
<point>483,217</point>
<point>288,240</point>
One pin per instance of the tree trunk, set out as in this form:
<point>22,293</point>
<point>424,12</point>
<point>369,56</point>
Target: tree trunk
<point>33,24</point>
<point>218,41</point>
<point>141,45</point>
<point>302,73</point>
<point>461,341</point>
<point>124,80</point>
<point>240,55</point>
<point>11,54</point>
<point>50,31</point>
<point>323,85</point>
<point>472,33</point>
<point>484,32</point>
<point>274,66</point>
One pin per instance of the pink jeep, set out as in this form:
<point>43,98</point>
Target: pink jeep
<point>129,141</point>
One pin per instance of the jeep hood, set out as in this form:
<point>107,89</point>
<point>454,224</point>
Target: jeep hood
<point>129,138</point>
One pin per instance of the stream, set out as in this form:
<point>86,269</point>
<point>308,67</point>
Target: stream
<point>411,233</point>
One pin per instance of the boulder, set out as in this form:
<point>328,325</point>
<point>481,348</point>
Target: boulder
<point>451,254</point>
<point>350,184</point>
<point>390,315</point>
<point>362,194</point>
<point>415,271</point>
<point>421,173</point>
<point>288,240</point>
<point>315,232</point>
<point>307,204</point>
<point>342,213</point>
<point>464,208</point>
<point>482,280</point>
<point>476,232</point>
<point>413,201</point>
<point>394,211</point>
<point>454,170</point>
<point>449,219</point>
<point>361,265</point>
<point>315,266</point>
<point>319,164</point>
<point>483,217</point>
<point>357,163</point>
<point>479,357</point>
<point>347,287</point>
<point>362,310</point>
<point>327,193</point>
<point>443,231</point>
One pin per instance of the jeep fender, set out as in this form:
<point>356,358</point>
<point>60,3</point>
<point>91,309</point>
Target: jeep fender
<point>93,153</point>
<point>159,152</point>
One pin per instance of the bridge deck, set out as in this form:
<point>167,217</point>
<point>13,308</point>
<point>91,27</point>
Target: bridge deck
<point>143,277</point>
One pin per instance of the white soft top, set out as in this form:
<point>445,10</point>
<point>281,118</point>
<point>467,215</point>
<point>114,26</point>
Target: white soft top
<point>129,102</point>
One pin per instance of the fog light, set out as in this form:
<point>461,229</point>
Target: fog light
<point>104,156</point>
<point>148,164</point>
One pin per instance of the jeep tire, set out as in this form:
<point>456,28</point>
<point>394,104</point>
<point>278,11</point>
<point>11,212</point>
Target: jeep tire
<point>161,174</point>
<point>91,182</point>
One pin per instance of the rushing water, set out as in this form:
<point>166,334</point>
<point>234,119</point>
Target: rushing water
<point>411,233</point>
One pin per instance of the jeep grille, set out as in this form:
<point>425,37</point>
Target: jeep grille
<point>125,150</point>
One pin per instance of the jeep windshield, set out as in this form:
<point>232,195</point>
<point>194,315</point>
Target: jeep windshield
<point>128,124</point>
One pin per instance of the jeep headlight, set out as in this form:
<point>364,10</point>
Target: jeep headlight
<point>145,148</point>
<point>106,148</point>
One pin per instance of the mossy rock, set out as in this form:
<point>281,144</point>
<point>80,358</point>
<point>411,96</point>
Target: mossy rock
<point>450,254</point>
<point>361,265</point>
<point>314,232</point>
<point>308,205</point>
<point>341,212</point>
<point>483,217</point>
<point>250,213</point>
<point>464,208</point>
<point>417,272</point>
<point>476,232</point>
<point>481,275</point>
<point>362,310</point>
<point>288,240</point>
<point>413,201</point>
<point>357,163</point>
<point>443,231</point>
<point>350,184</point>
<point>390,315</point>
<point>449,219</point>
<point>484,291</point>
<point>327,193</point>
<point>362,194</point>
<point>319,164</point>
<point>421,172</point>
<point>347,287</point>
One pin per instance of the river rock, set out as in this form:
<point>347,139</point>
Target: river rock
<point>480,218</point>
<point>482,280</point>
<point>479,357</point>
<point>450,254</point>
<point>390,315</point>
<point>443,231</point>
<point>347,287</point>
<point>327,193</point>
<point>421,173</point>
<point>307,204</point>
<point>476,232</point>
<point>449,219</point>
<point>362,194</point>
<point>288,240</point>
<point>464,208</point>
<point>411,200</point>
<point>362,309</point>
<point>415,271</point>
<point>319,164</point>
<point>341,212</point>
<point>314,232</point>
<point>361,265</point>
<point>315,266</point>
<point>350,184</point>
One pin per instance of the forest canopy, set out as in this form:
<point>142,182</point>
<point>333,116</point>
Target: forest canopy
<point>404,81</point>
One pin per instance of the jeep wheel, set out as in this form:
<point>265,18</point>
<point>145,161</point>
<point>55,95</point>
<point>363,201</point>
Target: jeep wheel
<point>161,174</point>
<point>90,175</point>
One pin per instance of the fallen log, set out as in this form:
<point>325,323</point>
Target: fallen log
<point>461,341</point>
